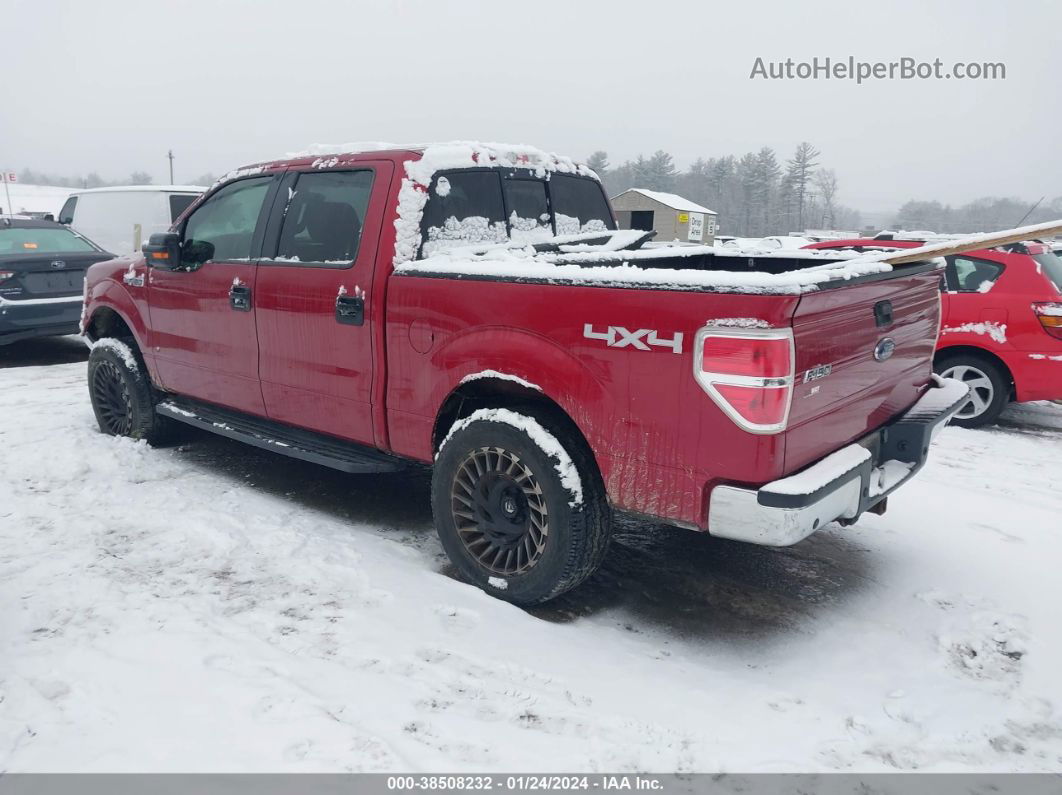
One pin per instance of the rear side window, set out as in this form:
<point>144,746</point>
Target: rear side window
<point>1051,266</point>
<point>322,223</point>
<point>66,215</point>
<point>579,205</point>
<point>222,228</point>
<point>179,202</point>
<point>969,275</point>
<point>464,208</point>
<point>528,210</point>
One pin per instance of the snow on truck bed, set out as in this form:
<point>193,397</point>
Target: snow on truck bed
<point>603,266</point>
<point>210,607</point>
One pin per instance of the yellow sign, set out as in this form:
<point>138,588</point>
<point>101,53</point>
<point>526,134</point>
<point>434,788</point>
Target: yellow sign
<point>684,218</point>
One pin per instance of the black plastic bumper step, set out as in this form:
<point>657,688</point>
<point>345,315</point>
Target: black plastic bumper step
<point>298,443</point>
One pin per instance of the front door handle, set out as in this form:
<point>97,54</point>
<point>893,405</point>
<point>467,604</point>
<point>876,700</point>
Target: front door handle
<point>240,298</point>
<point>350,310</point>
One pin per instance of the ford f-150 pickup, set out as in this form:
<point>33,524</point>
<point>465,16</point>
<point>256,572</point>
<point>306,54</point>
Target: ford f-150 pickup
<point>473,307</point>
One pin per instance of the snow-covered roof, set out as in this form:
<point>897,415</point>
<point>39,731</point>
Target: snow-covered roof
<point>141,189</point>
<point>672,200</point>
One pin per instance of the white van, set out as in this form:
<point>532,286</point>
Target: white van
<point>120,219</point>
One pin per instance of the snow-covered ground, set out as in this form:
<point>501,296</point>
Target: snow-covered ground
<point>212,607</point>
<point>34,198</point>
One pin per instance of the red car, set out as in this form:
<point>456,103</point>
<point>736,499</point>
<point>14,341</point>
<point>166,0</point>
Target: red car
<point>1001,330</point>
<point>474,308</point>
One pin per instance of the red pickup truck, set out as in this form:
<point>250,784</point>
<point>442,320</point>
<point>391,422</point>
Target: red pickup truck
<point>474,307</point>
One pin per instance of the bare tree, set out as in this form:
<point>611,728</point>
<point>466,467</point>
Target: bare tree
<point>826,184</point>
<point>798,172</point>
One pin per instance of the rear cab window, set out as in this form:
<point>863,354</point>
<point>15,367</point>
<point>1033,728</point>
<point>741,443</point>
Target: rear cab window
<point>474,207</point>
<point>464,208</point>
<point>579,205</point>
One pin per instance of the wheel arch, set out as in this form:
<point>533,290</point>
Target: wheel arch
<point>498,391</point>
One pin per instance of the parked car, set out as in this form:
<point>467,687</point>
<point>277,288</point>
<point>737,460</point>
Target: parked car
<point>474,308</point>
<point>123,218</point>
<point>42,271</point>
<point>1002,323</point>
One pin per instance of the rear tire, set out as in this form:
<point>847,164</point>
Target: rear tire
<point>508,519</point>
<point>123,399</point>
<point>989,388</point>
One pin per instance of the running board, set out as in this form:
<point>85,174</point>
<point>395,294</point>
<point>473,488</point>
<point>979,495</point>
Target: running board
<point>298,443</point>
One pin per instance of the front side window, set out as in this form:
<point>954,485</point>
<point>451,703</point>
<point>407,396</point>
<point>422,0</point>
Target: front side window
<point>323,220</point>
<point>529,220</point>
<point>579,205</point>
<point>44,240</point>
<point>222,228</point>
<point>969,275</point>
<point>464,209</point>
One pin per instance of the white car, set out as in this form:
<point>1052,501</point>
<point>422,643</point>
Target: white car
<point>120,219</point>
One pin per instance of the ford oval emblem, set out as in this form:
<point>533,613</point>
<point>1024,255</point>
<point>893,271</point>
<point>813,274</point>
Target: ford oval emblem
<point>884,349</point>
<point>58,263</point>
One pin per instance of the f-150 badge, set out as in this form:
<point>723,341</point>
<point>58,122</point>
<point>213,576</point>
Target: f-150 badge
<point>815,373</point>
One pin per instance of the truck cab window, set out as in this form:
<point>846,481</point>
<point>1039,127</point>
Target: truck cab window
<point>579,205</point>
<point>222,228</point>
<point>528,207</point>
<point>324,217</point>
<point>464,208</point>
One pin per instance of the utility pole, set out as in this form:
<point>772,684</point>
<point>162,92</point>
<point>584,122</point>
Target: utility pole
<point>170,156</point>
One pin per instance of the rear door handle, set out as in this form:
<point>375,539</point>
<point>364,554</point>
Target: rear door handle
<point>350,310</point>
<point>240,298</point>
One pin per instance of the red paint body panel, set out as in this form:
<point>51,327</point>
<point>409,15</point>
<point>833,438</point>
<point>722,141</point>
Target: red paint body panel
<point>317,373</point>
<point>660,441</point>
<point>202,347</point>
<point>1033,357</point>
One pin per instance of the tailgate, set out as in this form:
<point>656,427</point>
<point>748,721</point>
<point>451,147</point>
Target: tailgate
<point>847,381</point>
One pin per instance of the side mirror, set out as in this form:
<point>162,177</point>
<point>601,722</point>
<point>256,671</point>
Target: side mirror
<point>163,251</point>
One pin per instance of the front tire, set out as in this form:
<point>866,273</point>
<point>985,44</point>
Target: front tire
<point>519,508</point>
<point>121,393</point>
<point>989,388</point>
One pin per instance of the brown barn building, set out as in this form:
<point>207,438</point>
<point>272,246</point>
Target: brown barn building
<point>670,215</point>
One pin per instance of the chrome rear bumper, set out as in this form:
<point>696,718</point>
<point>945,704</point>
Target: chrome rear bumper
<point>841,486</point>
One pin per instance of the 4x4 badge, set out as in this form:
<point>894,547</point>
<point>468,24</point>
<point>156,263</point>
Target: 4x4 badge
<point>619,337</point>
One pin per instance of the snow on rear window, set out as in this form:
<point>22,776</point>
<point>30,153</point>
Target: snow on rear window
<point>579,205</point>
<point>465,208</point>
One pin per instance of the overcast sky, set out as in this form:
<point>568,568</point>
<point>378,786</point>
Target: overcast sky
<point>95,85</point>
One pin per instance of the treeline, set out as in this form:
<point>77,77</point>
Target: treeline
<point>755,194</point>
<point>94,180</point>
<point>981,215</point>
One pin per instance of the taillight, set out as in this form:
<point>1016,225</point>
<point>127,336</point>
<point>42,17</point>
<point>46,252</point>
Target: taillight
<point>1050,315</point>
<point>748,373</point>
